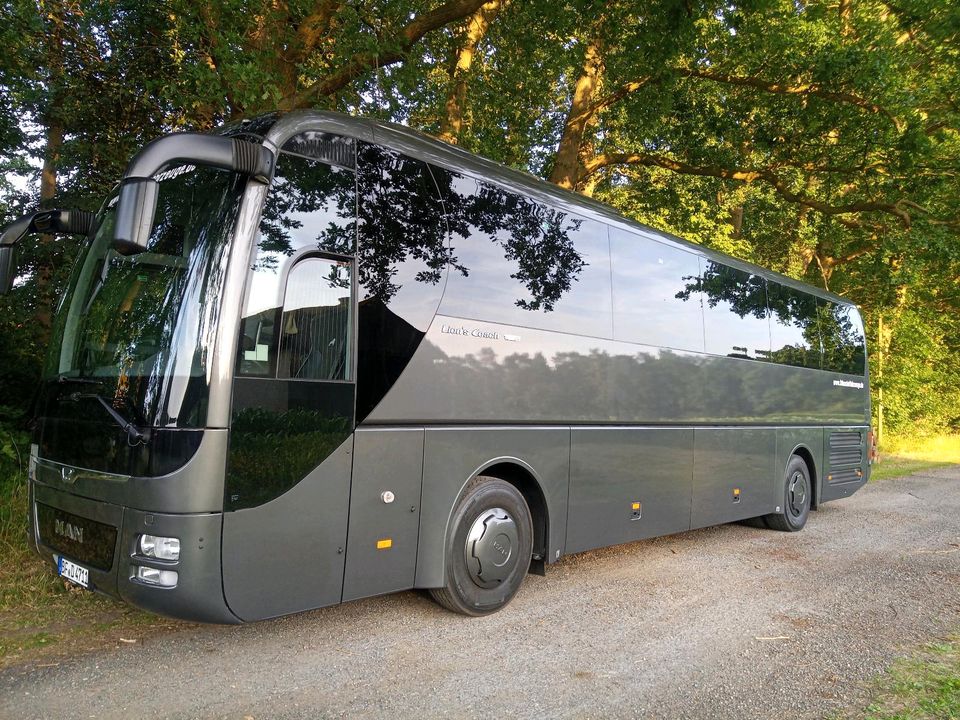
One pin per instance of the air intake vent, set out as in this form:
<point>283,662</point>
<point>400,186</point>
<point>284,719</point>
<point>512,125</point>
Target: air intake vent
<point>846,448</point>
<point>841,476</point>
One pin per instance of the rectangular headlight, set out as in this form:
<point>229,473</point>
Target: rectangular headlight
<point>153,576</point>
<point>162,548</point>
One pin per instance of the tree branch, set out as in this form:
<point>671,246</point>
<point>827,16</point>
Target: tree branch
<point>210,47</point>
<point>409,35</point>
<point>810,89</point>
<point>618,95</point>
<point>452,122</point>
<point>567,163</point>
<point>313,28</point>
<point>899,209</point>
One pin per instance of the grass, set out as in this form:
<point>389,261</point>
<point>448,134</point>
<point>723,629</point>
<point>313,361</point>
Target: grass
<point>42,618</point>
<point>923,687</point>
<point>907,455</point>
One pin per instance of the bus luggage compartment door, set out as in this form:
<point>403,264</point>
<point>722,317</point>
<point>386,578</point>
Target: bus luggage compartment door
<point>627,484</point>
<point>734,475</point>
<point>384,512</point>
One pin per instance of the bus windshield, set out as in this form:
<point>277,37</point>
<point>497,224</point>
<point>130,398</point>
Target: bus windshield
<point>137,330</point>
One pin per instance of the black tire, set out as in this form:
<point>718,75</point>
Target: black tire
<point>797,493</point>
<point>477,583</point>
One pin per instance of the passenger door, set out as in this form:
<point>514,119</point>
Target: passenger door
<point>289,468</point>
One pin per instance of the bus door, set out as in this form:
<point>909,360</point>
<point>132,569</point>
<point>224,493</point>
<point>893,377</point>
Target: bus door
<point>288,480</point>
<point>287,488</point>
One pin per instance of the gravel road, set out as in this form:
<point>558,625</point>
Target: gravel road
<point>726,622</point>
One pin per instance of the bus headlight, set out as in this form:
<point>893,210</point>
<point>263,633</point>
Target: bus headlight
<point>162,548</point>
<point>153,576</point>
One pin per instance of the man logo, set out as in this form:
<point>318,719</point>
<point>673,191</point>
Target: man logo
<point>68,530</point>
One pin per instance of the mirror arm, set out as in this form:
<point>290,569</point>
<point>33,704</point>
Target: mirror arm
<point>64,222</point>
<point>139,188</point>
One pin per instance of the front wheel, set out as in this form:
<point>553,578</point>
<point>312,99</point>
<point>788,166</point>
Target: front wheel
<point>797,494</point>
<point>489,546</point>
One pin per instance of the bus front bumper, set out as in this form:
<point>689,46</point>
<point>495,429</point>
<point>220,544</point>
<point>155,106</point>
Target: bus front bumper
<point>99,543</point>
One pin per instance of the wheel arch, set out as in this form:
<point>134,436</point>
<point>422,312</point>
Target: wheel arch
<point>527,481</point>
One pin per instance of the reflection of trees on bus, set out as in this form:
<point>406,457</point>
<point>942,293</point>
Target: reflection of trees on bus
<point>407,214</point>
<point>820,323</point>
<point>299,187</point>
<point>536,238</point>
<point>843,346</point>
<point>745,294</point>
<point>584,387</point>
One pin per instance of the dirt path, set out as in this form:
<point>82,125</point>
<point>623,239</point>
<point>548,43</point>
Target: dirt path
<point>723,622</point>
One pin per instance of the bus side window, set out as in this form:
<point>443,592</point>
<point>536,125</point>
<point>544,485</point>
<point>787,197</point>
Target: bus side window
<point>311,208</point>
<point>656,300</point>
<point>794,330</point>
<point>521,262</point>
<point>842,333</point>
<point>735,312</point>
<point>315,329</point>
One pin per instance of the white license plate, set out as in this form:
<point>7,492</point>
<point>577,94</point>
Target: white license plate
<point>71,571</point>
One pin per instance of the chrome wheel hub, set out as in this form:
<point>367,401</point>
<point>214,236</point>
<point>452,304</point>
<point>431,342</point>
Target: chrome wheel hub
<point>491,547</point>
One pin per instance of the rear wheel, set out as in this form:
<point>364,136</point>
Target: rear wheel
<point>797,494</point>
<point>489,547</point>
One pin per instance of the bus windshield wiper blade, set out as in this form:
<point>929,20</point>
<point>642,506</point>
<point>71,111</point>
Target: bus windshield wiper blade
<point>63,379</point>
<point>135,436</point>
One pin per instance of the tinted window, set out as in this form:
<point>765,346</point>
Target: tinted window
<point>734,311</point>
<point>794,334</point>
<point>518,262</point>
<point>843,343</point>
<point>655,296</point>
<point>311,207</point>
<point>297,328</point>
<point>312,204</point>
<point>404,246</point>
<point>315,328</point>
<point>404,256</point>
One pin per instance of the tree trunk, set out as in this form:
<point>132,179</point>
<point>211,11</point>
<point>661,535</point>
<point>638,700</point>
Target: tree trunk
<point>51,160</point>
<point>477,27</point>
<point>48,193</point>
<point>567,167</point>
<point>54,135</point>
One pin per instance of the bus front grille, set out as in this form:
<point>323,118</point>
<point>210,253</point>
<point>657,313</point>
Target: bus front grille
<point>79,538</point>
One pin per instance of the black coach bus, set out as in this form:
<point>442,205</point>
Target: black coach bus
<point>313,358</point>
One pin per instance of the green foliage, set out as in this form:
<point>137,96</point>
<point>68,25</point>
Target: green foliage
<point>818,139</point>
<point>14,441</point>
<point>921,380</point>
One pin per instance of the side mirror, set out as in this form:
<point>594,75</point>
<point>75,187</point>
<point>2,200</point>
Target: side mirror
<point>139,190</point>
<point>136,206</point>
<point>6,268</point>
<point>69,222</point>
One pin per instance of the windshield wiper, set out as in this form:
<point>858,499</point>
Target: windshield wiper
<point>135,436</point>
<point>64,379</point>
